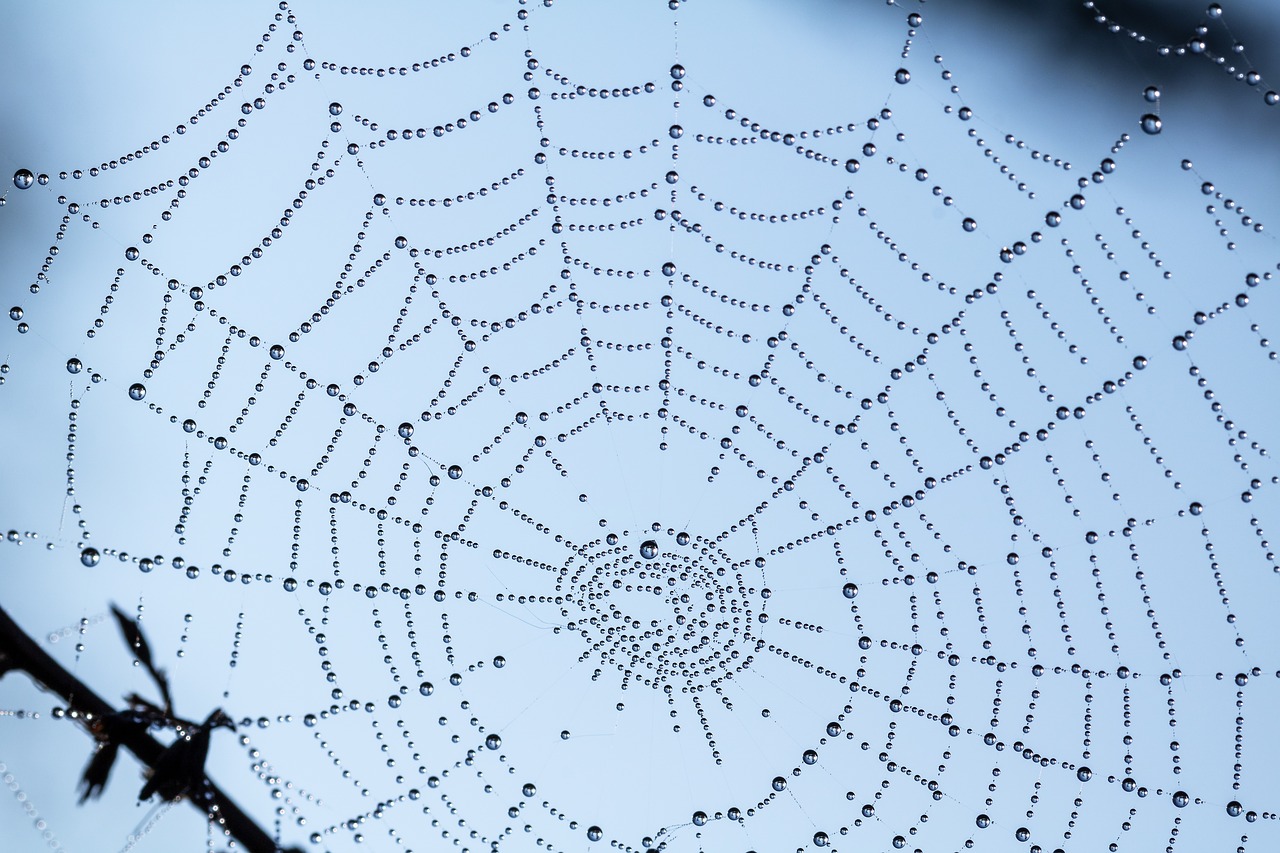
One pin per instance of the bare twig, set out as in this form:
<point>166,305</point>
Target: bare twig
<point>19,652</point>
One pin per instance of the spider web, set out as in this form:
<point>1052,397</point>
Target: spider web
<point>653,429</point>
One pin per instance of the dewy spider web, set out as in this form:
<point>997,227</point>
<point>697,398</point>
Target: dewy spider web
<point>552,439</point>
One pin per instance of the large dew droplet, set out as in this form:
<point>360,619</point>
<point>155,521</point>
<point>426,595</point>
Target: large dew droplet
<point>137,391</point>
<point>23,179</point>
<point>1151,124</point>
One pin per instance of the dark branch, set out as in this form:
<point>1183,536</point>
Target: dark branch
<point>18,651</point>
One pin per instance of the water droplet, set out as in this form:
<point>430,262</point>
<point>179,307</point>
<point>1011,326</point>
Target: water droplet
<point>529,789</point>
<point>405,430</point>
<point>1234,809</point>
<point>850,590</point>
<point>1053,219</point>
<point>455,472</point>
<point>90,557</point>
<point>902,75</point>
<point>23,179</point>
<point>1151,124</point>
<point>1084,774</point>
<point>493,741</point>
<point>132,253</point>
<point>649,549</point>
<point>426,688</point>
<point>969,224</point>
<point>779,784</point>
<point>74,365</point>
<point>1151,93</point>
<point>594,833</point>
<point>1181,799</point>
<point>137,391</point>
<point>276,352</point>
<point>852,165</point>
<point>983,821</point>
<point>335,109</point>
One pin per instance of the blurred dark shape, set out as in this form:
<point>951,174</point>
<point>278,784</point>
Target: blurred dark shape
<point>1068,32</point>
<point>109,732</point>
<point>137,643</point>
<point>94,778</point>
<point>180,769</point>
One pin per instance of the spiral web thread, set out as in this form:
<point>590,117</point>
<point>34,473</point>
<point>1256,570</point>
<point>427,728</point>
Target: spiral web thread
<point>588,464</point>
